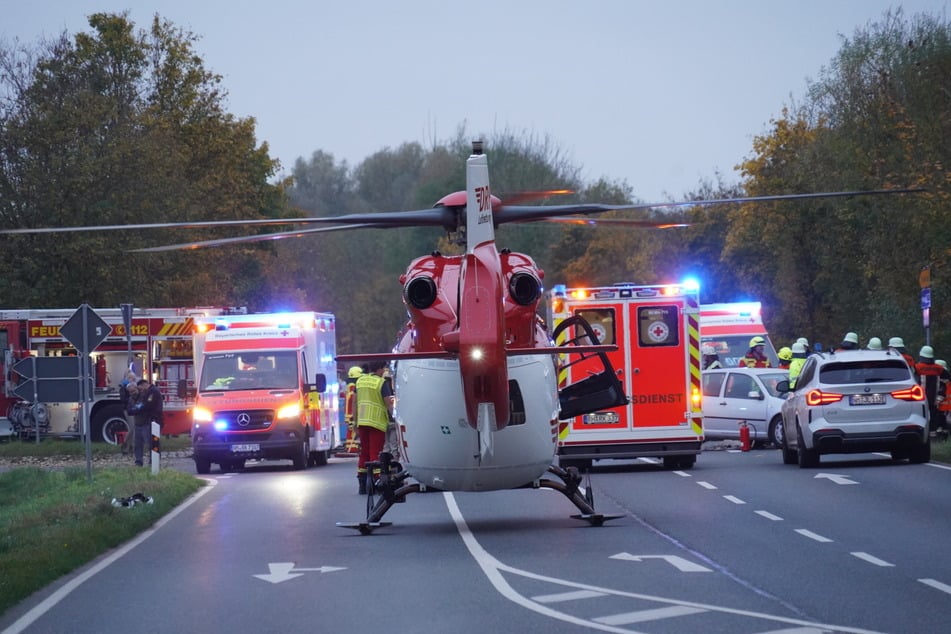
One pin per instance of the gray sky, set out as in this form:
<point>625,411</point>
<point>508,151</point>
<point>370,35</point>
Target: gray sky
<point>661,94</point>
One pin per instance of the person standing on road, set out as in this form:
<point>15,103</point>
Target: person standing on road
<point>799,355</point>
<point>148,409</point>
<point>711,360</point>
<point>756,356</point>
<point>785,357</point>
<point>374,410</point>
<point>929,377</point>
<point>849,342</point>
<point>898,344</point>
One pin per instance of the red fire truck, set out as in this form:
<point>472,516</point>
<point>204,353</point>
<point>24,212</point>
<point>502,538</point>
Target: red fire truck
<point>656,329</point>
<point>159,347</point>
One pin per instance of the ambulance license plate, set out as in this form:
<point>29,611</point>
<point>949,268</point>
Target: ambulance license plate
<point>867,399</point>
<point>245,448</point>
<point>600,418</point>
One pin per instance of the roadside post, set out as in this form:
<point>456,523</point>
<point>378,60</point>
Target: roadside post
<point>156,452</point>
<point>924,280</point>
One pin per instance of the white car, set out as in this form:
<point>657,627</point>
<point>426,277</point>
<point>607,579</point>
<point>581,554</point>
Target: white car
<point>855,401</point>
<point>736,395</point>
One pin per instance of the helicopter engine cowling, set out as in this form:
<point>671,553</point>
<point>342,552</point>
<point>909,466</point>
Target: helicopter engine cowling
<point>420,292</point>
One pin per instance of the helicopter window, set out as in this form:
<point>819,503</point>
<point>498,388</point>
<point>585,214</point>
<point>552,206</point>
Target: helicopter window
<point>601,321</point>
<point>658,326</point>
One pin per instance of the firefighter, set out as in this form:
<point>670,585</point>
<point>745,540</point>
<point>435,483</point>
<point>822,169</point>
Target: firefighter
<point>944,403</point>
<point>849,342</point>
<point>374,398</point>
<point>352,444</point>
<point>785,357</point>
<point>929,377</point>
<point>756,356</point>
<point>799,355</point>
<point>711,360</point>
<point>898,344</point>
<point>874,344</point>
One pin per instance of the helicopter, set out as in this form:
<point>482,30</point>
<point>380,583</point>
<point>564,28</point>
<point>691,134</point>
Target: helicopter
<point>475,369</point>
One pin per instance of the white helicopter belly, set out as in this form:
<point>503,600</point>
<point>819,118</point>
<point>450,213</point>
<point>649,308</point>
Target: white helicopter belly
<point>441,450</point>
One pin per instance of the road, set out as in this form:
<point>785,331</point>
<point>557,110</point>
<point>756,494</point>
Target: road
<point>740,543</point>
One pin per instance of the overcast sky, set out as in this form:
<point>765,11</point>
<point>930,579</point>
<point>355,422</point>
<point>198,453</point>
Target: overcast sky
<point>661,94</point>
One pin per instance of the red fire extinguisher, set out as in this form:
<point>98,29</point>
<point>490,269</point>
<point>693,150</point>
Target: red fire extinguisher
<point>744,436</point>
<point>100,371</point>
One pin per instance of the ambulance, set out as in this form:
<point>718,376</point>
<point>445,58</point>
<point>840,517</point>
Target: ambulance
<point>657,333</point>
<point>728,328</point>
<point>267,389</point>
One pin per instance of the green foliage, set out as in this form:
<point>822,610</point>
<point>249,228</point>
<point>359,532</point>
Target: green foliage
<point>118,127</point>
<point>52,522</point>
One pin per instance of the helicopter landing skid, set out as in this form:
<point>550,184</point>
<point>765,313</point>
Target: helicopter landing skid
<point>392,490</point>
<point>570,488</point>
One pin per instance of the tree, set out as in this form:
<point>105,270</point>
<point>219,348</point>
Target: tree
<point>121,127</point>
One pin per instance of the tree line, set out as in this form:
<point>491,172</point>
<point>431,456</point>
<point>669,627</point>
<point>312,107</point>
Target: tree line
<point>119,125</point>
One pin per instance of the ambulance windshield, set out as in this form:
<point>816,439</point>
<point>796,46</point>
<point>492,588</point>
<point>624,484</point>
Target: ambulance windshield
<point>260,370</point>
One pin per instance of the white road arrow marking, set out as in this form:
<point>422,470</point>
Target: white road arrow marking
<point>838,479</point>
<point>285,571</point>
<point>681,564</point>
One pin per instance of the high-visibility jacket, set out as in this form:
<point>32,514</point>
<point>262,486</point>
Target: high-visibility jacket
<point>349,408</point>
<point>795,367</point>
<point>371,408</point>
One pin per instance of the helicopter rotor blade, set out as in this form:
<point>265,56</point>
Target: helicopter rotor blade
<point>264,237</point>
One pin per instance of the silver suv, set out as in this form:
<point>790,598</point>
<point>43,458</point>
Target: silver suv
<point>855,401</point>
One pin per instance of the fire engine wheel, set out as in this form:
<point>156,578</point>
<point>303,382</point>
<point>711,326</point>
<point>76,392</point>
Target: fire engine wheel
<point>107,421</point>
<point>203,466</point>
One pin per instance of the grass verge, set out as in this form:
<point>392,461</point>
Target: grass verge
<point>54,521</point>
<point>52,447</point>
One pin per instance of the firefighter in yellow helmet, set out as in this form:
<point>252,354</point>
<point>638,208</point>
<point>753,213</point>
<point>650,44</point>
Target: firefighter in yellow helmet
<point>785,356</point>
<point>352,444</point>
<point>756,356</point>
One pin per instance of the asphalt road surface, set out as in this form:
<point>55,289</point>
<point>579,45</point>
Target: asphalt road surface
<point>740,543</point>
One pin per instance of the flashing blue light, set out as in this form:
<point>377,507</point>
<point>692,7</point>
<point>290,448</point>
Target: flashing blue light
<point>221,324</point>
<point>691,284</point>
<point>559,289</point>
<point>221,425</point>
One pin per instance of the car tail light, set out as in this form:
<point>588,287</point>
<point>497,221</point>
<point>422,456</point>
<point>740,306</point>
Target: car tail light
<point>913,393</point>
<point>818,397</point>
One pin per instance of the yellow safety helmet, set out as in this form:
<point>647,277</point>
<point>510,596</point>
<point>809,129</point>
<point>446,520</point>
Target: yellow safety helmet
<point>757,341</point>
<point>785,353</point>
<point>355,372</point>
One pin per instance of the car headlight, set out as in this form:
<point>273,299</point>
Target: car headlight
<point>201,415</point>
<point>289,411</point>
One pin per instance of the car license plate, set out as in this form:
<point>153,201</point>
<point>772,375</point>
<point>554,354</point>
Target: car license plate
<point>245,448</point>
<point>601,418</point>
<point>867,399</point>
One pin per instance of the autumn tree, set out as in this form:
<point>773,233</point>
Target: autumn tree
<point>114,127</point>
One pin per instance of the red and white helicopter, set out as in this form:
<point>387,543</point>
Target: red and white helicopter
<point>475,368</point>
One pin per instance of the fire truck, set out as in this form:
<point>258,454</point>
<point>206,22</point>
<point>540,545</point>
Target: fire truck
<point>158,346</point>
<point>656,329</point>
<point>267,389</point>
<point>728,328</point>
